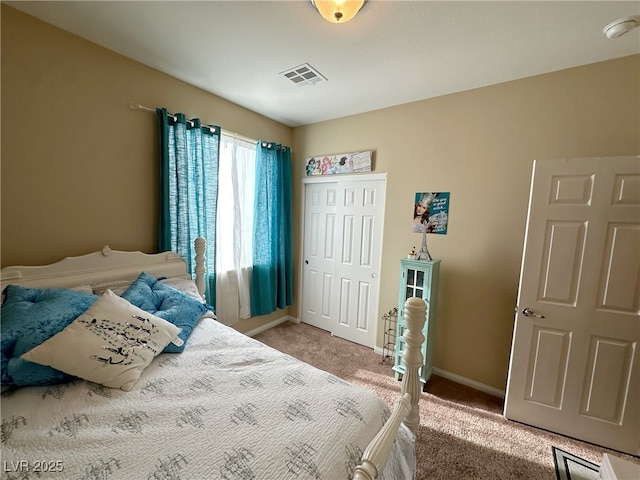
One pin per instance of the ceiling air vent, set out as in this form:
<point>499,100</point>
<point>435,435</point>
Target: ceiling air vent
<point>303,75</point>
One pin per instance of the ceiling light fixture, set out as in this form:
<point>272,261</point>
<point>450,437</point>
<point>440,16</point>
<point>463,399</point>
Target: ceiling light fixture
<point>621,26</point>
<point>338,11</point>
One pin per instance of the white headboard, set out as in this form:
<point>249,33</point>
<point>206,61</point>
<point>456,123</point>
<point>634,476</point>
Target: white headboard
<point>103,267</point>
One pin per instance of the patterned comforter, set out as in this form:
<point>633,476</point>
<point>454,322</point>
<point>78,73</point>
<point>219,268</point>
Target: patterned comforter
<point>228,407</point>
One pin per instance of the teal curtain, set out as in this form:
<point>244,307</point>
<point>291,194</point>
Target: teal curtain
<point>271,279</point>
<point>189,189</point>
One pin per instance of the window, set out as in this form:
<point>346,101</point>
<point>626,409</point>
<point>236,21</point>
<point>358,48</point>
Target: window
<point>236,193</point>
<point>234,227</point>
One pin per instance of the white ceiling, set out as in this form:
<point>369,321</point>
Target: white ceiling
<point>392,52</point>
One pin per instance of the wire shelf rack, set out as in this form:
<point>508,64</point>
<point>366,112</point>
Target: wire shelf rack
<point>390,319</point>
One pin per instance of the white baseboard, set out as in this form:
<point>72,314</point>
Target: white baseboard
<point>378,351</point>
<point>454,377</point>
<point>267,326</point>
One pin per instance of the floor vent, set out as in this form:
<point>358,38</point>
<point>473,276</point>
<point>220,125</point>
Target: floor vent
<point>303,75</point>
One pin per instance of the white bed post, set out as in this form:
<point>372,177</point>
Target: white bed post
<point>406,409</point>
<point>200,245</point>
<point>415,314</point>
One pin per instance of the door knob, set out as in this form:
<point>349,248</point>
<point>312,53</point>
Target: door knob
<point>527,312</point>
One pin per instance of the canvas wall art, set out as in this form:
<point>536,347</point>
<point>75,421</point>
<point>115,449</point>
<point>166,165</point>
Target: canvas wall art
<point>342,163</point>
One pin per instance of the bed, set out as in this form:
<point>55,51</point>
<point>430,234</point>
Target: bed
<point>115,367</point>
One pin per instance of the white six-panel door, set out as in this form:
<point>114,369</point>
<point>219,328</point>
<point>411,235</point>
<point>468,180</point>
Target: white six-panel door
<point>342,256</point>
<point>575,365</point>
<point>359,231</point>
<point>319,255</point>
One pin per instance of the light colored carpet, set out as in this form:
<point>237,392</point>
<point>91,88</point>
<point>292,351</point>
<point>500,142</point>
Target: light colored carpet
<point>462,433</point>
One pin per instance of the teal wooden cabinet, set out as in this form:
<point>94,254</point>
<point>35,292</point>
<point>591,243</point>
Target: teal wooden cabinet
<point>418,278</point>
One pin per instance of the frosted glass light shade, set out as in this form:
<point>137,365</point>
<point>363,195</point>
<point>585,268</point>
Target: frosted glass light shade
<point>338,11</point>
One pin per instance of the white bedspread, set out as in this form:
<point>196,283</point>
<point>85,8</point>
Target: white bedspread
<point>228,407</point>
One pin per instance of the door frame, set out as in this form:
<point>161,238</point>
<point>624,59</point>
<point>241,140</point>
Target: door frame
<point>352,177</point>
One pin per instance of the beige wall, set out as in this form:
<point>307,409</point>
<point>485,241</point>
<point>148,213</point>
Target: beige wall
<point>479,145</point>
<point>79,168</point>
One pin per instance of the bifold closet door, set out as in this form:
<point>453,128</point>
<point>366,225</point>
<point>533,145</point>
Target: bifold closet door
<point>342,256</point>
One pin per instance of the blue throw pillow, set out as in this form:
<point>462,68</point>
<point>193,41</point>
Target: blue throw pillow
<point>31,316</point>
<point>166,302</point>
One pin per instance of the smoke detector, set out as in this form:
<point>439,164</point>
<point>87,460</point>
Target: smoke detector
<point>621,26</point>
